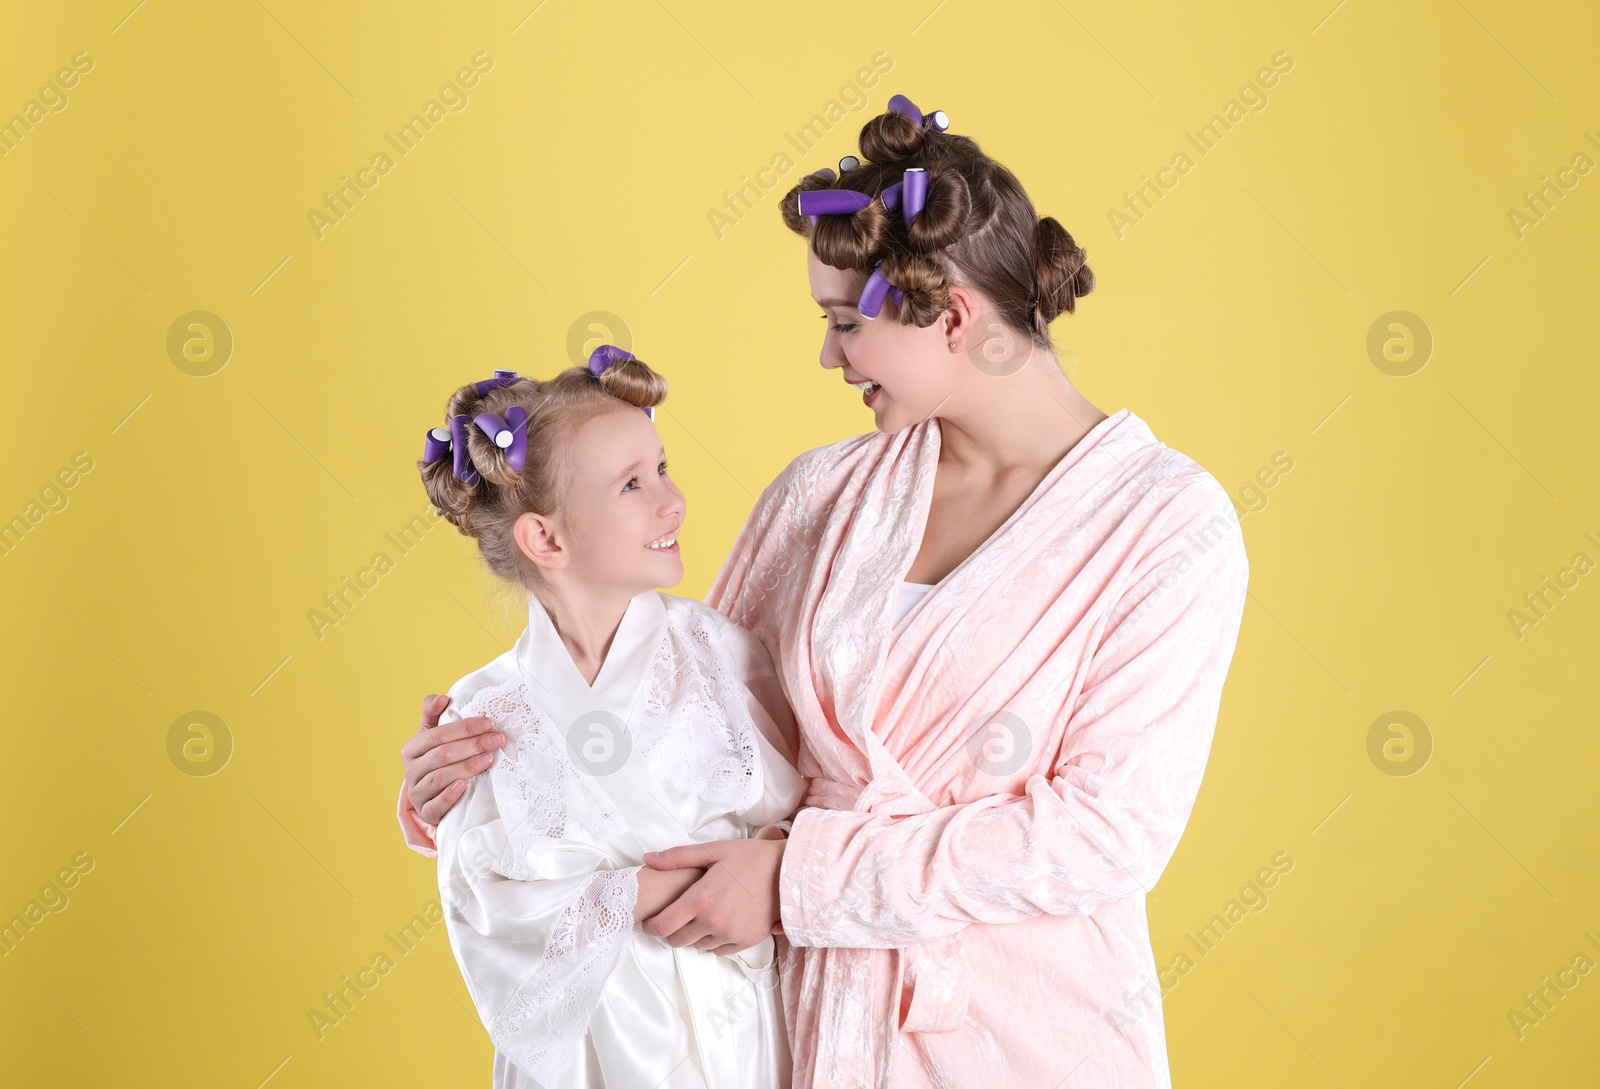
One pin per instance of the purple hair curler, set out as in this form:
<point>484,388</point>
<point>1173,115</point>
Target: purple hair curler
<point>458,445</point>
<point>891,196</point>
<point>903,105</point>
<point>606,356</point>
<point>436,445</point>
<point>832,202</point>
<point>517,421</point>
<point>501,380</point>
<point>872,295</point>
<point>848,163</point>
<point>495,428</point>
<point>914,193</point>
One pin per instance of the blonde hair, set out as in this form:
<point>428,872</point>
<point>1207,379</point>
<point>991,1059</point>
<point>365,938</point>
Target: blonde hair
<point>488,509</point>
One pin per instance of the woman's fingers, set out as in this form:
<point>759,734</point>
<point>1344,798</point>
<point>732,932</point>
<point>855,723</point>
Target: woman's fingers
<point>438,759</point>
<point>428,739</point>
<point>433,706</point>
<point>433,811</point>
<point>689,856</point>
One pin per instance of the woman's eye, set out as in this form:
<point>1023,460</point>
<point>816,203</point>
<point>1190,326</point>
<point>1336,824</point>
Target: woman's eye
<point>663,470</point>
<point>632,480</point>
<point>845,328</point>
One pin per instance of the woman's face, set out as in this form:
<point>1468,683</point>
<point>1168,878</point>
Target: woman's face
<point>915,370</point>
<point>620,511</point>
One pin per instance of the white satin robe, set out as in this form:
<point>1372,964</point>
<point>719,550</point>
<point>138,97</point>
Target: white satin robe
<point>684,737</point>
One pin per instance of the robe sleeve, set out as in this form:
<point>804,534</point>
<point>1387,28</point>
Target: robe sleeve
<point>777,736</point>
<point>1101,828</point>
<point>535,954</point>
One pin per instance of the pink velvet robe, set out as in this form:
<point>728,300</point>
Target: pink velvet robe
<point>1001,779</point>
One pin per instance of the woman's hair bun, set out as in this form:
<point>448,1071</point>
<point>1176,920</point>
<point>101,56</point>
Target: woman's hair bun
<point>1059,272</point>
<point>891,137</point>
<point>944,217</point>
<point>843,241</point>
<point>976,229</point>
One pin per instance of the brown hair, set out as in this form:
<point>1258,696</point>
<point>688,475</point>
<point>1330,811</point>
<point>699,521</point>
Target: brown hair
<point>978,228</point>
<point>556,408</point>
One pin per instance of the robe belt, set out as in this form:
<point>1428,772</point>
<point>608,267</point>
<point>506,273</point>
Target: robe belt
<point>717,1003</point>
<point>934,982</point>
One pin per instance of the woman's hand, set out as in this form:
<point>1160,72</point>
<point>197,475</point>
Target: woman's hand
<point>440,759</point>
<point>731,908</point>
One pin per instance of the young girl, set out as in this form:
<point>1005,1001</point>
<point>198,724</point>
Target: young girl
<point>633,722</point>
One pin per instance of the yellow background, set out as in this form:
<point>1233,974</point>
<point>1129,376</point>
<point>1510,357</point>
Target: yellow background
<point>1233,317</point>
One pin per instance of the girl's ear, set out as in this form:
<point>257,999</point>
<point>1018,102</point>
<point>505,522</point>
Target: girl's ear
<point>535,535</point>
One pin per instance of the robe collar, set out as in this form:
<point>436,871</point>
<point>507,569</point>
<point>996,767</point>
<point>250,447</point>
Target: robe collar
<point>546,664</point>
<point>878,548</point>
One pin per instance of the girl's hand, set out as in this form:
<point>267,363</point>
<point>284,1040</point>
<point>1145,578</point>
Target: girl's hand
<point>658,888</point>
<point>731,908</point>
<point>440,759</point>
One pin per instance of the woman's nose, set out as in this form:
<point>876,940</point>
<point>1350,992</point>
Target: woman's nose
<point>832,357</point>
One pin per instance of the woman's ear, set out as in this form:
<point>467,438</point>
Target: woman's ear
<point>537,538</point>
<point>960,318</point>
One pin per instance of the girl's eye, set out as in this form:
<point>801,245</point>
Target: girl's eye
<point>842,328</point>
<point>633,481</point>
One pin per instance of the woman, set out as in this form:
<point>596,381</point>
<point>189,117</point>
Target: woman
<point>999,771</point>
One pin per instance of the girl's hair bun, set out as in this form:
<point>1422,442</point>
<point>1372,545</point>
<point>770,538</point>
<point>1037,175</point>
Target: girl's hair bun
<point>631,381</point>
<point>486,509</point>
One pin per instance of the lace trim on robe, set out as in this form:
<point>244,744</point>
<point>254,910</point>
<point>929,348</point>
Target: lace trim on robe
<point>695,731</point>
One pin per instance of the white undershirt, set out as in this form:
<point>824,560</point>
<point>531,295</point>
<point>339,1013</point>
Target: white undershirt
<point>910,593</point>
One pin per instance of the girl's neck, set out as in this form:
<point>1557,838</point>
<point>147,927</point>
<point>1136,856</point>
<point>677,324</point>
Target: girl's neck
<point>587,621</point>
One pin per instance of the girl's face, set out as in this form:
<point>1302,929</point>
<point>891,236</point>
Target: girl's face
<point>618,529</point>
<point>914,371</point>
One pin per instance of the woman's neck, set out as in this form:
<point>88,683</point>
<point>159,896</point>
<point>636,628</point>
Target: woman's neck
<point>1025,421</point>
<point>587,621</point>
